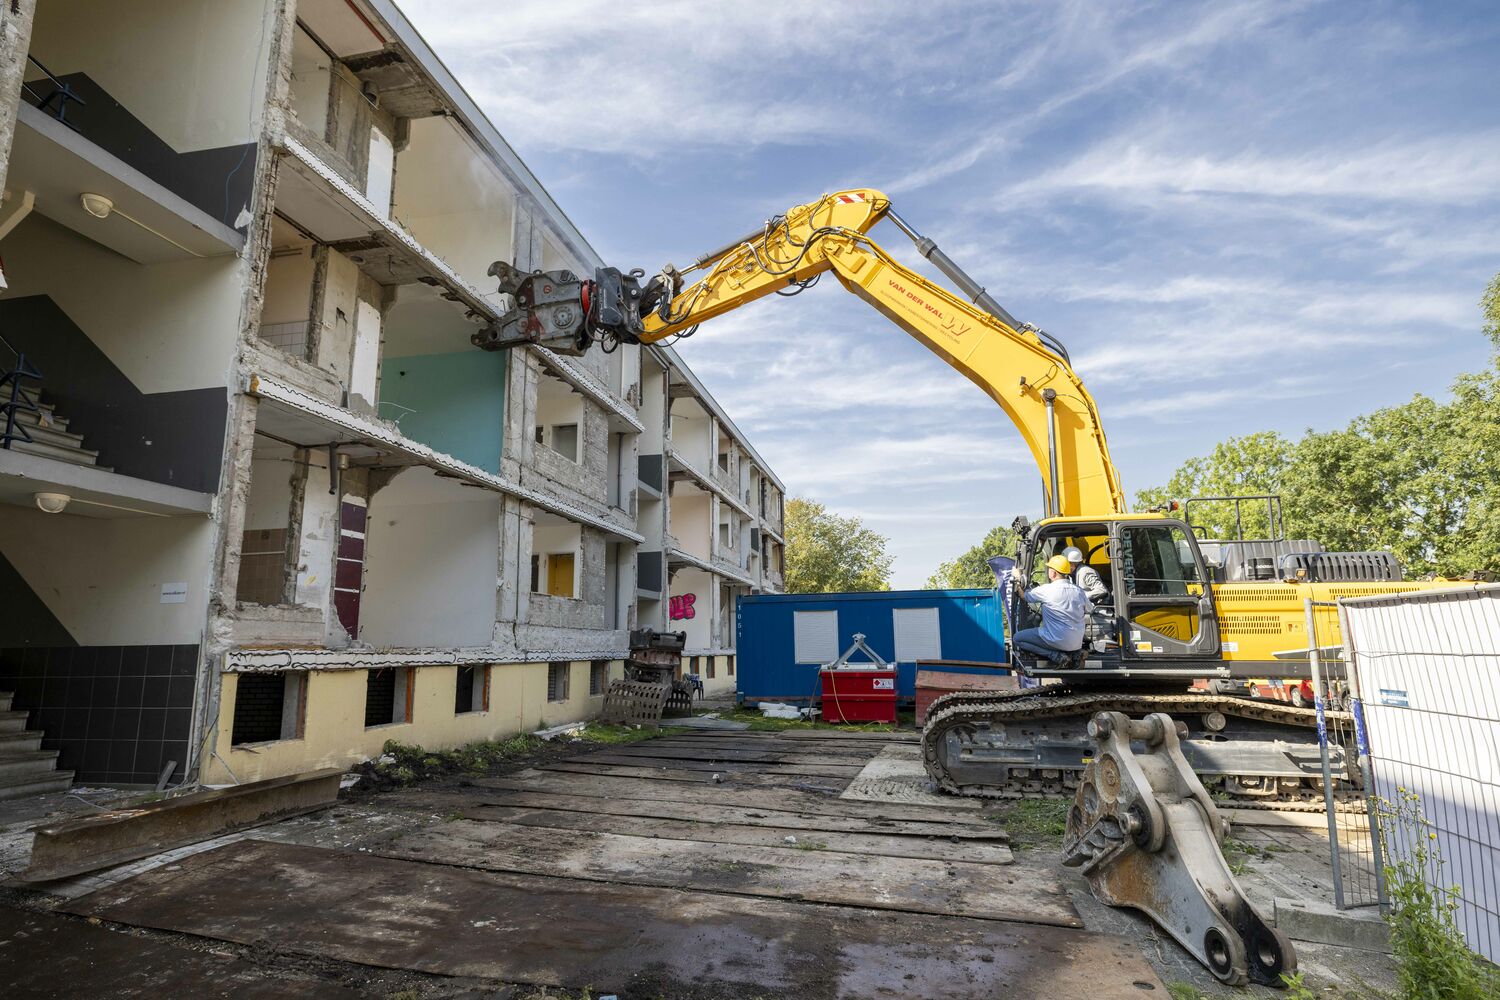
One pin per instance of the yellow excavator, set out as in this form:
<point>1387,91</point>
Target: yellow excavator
<point>1182,610</point>
<point>1181,607</point>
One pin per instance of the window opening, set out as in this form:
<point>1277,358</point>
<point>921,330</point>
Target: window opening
<point>269,707</point>
<point>598,676</point>
<point>471,690</point>
<point>557,681</point>
<point>388,696</point>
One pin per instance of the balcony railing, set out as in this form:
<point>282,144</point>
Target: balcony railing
<point>55,103</point>
<point>15,398</point>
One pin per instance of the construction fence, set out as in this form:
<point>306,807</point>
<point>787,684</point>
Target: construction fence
<point>1424,668</point>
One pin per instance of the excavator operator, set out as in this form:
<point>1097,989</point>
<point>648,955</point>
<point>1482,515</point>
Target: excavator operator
<point>1085,575</point>
<point>1064,606</point>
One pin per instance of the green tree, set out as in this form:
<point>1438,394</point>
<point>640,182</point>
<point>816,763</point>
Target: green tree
<point>1490,303</point>
<point>826,553</point>
<point>1243,466</point>
<point>1420,480</point>
<point>972,569</point>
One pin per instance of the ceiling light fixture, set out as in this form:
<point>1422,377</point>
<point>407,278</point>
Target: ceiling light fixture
<point>52,503</point>
<point>101,207</point>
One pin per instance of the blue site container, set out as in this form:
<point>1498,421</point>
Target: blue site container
<point>967,625</point>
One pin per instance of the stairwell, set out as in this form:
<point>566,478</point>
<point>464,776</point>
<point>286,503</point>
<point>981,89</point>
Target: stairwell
<point>25,768</point>
<point>50,437</point>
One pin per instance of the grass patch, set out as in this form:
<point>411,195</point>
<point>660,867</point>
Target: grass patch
<point>1179,990</point>
<point>1035,823</point>
<point>596,732</point>
<point>402,765</point>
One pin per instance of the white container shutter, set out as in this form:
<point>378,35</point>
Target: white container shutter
<point>916,634</point>
<point>815,636</point>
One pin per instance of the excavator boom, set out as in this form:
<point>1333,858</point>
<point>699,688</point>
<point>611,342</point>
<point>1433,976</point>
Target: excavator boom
<point>1022,369</point>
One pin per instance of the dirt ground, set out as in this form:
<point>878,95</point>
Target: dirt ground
<point>614,840</point>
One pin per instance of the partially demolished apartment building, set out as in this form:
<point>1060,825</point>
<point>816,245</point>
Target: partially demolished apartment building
<point>264,506</point>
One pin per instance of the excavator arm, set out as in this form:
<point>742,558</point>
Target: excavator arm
<point>1022,369</point>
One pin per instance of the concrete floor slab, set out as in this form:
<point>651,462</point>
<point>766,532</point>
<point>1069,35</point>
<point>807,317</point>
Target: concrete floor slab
<point>44,955</point>
<point>637,941</point>
<point>910,885</point>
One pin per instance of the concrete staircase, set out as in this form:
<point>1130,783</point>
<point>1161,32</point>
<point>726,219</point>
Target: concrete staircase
<point>50,437</point>
<point>25,768</point>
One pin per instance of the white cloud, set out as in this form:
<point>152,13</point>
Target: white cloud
<point>1454,168</point>
<point>1089,49</point>
<point>645,80</point>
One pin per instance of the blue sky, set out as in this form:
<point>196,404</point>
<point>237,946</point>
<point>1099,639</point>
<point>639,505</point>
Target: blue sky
<point>1239,216</point>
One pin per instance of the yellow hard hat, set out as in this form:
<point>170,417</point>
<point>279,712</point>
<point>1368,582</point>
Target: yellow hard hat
<point>1061,564</point>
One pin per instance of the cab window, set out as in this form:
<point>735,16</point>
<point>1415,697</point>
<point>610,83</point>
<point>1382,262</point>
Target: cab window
<point>1158,561</point>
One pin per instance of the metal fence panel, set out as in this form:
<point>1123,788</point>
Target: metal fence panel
<point>1427,667</point>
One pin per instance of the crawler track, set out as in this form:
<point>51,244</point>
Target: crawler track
<point>1032,744</point>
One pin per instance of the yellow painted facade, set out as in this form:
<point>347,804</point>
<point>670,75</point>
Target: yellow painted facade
<point>334,733</point>
<point>722,683</point>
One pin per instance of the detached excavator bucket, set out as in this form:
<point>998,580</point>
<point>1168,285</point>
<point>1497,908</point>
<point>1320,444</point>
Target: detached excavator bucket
<point>1145,833</point>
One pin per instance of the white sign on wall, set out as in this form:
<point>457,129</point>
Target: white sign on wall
<point>174,593</point>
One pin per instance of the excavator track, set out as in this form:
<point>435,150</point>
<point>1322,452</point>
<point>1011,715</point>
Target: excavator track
<point>1033,744</point>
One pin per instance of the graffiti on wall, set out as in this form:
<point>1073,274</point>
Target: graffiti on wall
<point>681,608</point>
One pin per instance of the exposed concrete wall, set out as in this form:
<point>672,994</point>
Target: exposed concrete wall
<point>335,312</point>
<point>102,577</point>
<point>452,200</point>
<point>15,39</point>
<point>334,734</point>
<point>269,503</point>
<point>200,86</point>
<point>691,521</point>
<point>700,586</point>
<point>288,292</point>
<point>317,513</point>
<point>588,609</point>
<point>722,683</point>
<point>692,434</point>
<point>311,80</point>
<point>430,564</point>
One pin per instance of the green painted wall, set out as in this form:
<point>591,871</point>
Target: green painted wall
<point>456,402</point>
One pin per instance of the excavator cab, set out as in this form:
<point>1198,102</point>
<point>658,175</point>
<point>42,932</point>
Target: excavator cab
<point>1159,616</point>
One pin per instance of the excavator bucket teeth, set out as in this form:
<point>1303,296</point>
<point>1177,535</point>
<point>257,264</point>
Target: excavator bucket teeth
<point>1144,832</point>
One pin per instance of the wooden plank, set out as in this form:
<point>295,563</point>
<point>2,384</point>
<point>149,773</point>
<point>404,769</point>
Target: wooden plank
<point>726,766</point>
<point>772,743</point>
<point>1024,893</point>
<point>789,799</point>
<point>981,852</point>
<point>889,736</point>
<point>634,940</point>
<point>699,812</point>
<point>735,753</point>
<point>758,779</point>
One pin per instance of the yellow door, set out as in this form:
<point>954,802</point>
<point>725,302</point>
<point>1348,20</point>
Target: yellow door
<point>560,574</point>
